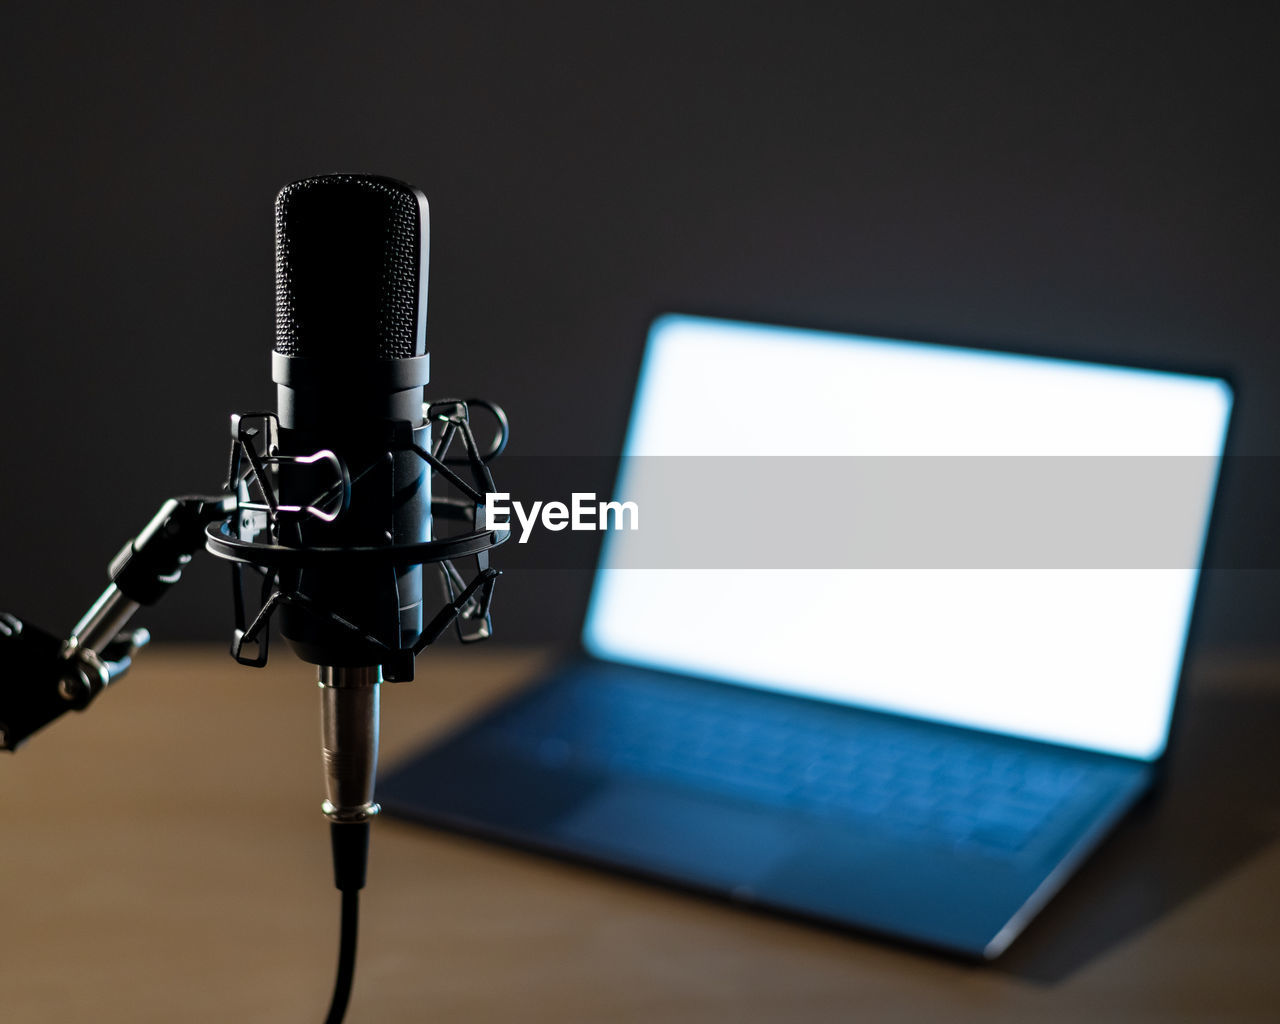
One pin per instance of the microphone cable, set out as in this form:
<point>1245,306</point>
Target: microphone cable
<point>350,842</point>
<point>346,957</point>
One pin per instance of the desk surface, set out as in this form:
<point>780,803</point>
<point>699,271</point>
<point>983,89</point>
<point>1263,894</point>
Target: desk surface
<point>164,859</point>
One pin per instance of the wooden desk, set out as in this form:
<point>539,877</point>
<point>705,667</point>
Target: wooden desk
<point>164,859</point>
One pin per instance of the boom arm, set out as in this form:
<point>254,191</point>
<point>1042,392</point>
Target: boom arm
<point>42,676</point>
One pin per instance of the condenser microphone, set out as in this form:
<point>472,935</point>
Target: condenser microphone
<point>349,365</point>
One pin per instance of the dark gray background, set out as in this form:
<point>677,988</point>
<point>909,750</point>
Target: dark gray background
<point>1093,181</point>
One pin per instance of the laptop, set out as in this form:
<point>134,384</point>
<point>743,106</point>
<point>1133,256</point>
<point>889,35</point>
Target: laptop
<point>895,642</point>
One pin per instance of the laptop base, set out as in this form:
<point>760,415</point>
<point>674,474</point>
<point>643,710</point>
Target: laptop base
<point>836,814</point>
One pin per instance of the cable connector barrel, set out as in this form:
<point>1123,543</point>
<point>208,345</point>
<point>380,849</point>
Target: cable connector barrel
<point>349,741</point>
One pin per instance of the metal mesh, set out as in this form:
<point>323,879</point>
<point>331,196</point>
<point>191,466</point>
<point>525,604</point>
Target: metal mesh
<point>349,279</point>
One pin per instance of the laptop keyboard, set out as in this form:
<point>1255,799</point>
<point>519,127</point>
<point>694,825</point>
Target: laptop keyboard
<point>948,785</point>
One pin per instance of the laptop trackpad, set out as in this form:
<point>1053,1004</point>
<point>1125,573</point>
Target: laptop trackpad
<point>698,840</point>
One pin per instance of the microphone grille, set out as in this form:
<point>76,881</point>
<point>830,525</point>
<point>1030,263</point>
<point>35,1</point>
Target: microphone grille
<point>351,268</point>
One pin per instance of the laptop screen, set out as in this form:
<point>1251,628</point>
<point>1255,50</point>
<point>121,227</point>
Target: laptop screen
<point>998,541</point>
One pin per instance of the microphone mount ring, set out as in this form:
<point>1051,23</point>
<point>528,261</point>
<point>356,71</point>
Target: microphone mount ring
<point>221,544</point>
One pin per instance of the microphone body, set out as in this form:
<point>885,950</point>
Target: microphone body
<point>350,365</point>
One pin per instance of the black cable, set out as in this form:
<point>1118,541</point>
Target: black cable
<point>346,957</point>
<point>350,842</point>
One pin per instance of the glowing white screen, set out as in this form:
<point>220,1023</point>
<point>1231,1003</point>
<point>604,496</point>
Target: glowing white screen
<point>1086,657</point>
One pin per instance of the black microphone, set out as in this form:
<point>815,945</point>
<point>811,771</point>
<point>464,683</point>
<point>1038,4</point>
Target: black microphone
<point>349,365</point>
